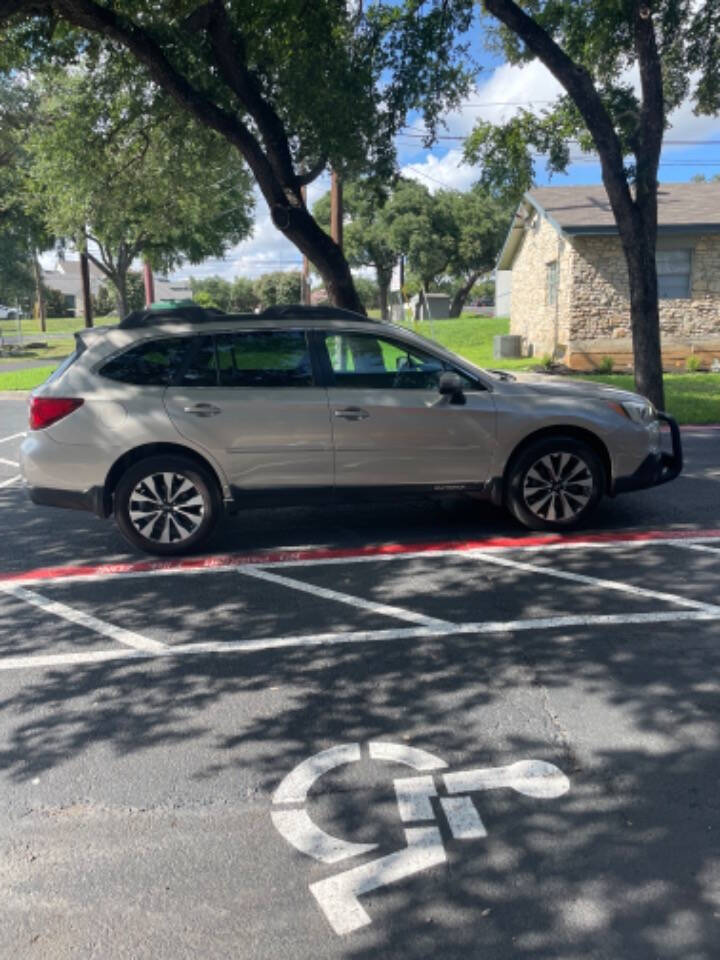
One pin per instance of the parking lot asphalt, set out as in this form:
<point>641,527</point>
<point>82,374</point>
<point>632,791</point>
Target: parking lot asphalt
<point>152,715</point>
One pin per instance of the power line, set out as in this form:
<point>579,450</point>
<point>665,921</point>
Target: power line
<point>686,143</point>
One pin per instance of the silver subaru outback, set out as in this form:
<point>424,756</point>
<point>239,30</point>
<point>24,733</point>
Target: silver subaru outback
<point>174,417</point>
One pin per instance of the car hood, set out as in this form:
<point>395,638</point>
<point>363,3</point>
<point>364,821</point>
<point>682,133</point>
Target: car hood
<point>547,386</point>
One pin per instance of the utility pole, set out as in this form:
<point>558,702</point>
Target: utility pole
<point>305,276</point>
<point>149,284</point>
<point>40,293</point>
<point>87,299</point>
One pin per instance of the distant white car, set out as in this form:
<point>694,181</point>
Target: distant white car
<point>7,313</point>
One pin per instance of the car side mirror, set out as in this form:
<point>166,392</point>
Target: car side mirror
<point>451,385</point>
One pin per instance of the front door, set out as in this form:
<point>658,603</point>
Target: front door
<point>250,398</point>
<point>390,425</point>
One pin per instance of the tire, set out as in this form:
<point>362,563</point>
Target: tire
<point>555,483</point>
<point>187,499</point>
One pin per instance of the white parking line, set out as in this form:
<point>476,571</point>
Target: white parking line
<point>699,546</point>
<point>400,613</point>
<point>351,637</point>
<point>13,436</point>
<point>10,463</point>
<point>595,581</point>
<point>127,637</point>
<point>6,483</point>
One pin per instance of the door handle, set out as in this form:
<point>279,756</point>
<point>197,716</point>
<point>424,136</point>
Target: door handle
<point>352,413</point>
<point>203,410</point>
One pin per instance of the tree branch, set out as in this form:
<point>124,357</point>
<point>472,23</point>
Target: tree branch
<point>231,58</point>
<point>100,265</point>
<point>580,87</point>
<point>104,20</point>
<point>303,179</point>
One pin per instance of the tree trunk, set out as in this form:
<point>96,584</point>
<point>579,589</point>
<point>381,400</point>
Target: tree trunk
<point>636,218</point>
<point>40,294</point>
<point>645,320</point>
<point>461,295</point>
<point>119,281</point>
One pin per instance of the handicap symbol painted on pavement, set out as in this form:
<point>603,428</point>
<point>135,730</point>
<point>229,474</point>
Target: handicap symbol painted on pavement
<point>338,895</point>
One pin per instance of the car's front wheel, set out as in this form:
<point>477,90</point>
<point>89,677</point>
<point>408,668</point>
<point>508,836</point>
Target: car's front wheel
<point>167,505</point>
<point>555,483</point>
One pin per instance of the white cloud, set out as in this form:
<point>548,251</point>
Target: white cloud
<point>447,171</point>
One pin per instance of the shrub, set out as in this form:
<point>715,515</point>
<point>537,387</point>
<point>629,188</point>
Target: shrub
<point>692,364</point>
<point>606,365</point>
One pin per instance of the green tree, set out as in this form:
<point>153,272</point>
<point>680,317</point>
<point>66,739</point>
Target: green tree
<point>131,177</point>
<point>212,292</point>
<point>591,46</point>
<point>369,292</point>
<point>482,221</point>
<point>367,240</point>
<point>244,299</point>
<point>293,86</point>
<point>280,286</point>
<point>22,234</point>
<point>423,228</point>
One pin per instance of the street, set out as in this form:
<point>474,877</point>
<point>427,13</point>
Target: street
<point>391,731</point>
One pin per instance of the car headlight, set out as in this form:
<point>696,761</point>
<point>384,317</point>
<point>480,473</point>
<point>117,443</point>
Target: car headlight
<point>639,411</point>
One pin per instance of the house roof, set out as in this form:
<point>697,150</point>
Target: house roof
<point>586,211</point>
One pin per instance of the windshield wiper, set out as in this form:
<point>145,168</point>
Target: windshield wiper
<point>502,374</point>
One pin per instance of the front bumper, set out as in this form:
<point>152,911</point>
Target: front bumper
<point>656,468</point>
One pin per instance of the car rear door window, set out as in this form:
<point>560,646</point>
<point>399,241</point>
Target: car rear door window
<point>264,358</point>
<point>149,363</point>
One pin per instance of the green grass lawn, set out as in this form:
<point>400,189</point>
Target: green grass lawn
<point>68,325</point>
<point>471,337</point>
<point>54,350</point>
<point>689,397</point>
<point>25,379</point>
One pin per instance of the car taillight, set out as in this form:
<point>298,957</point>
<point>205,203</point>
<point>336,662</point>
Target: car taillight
<point>47,410</point>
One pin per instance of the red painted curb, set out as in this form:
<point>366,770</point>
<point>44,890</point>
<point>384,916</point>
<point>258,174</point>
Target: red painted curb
<point>332,553</point>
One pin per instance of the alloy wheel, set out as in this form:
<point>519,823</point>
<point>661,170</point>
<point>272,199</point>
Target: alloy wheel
<point>558,486</point>
<point>166,507</point>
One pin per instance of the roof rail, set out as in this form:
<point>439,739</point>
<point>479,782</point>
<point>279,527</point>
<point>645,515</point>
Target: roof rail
<point>149,318</point>
<point>191,313</point>
<point>295,311</point>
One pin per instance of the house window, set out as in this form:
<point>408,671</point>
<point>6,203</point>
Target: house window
<point>673,273</point>
<point>551,283</point>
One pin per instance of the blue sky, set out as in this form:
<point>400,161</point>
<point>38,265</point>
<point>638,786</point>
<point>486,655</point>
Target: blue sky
<point>501,89</point>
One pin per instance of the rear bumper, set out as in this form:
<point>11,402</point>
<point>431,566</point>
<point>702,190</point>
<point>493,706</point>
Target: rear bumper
<point>656,468</point>
<point>91,500</point>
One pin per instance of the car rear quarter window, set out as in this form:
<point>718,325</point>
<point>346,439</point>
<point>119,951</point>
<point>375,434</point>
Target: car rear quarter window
<point>264,358</point>
<point>150,363</point>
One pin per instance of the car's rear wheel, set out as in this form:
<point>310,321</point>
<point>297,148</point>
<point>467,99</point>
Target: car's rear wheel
<point>555,483</point>
<point>167,505</point>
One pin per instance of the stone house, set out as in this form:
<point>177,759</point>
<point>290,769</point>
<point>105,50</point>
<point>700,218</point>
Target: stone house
<point>569,295</point>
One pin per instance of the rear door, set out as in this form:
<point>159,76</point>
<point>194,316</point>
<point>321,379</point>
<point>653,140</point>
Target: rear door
<point>250,397</point>
<point>390,425</point>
